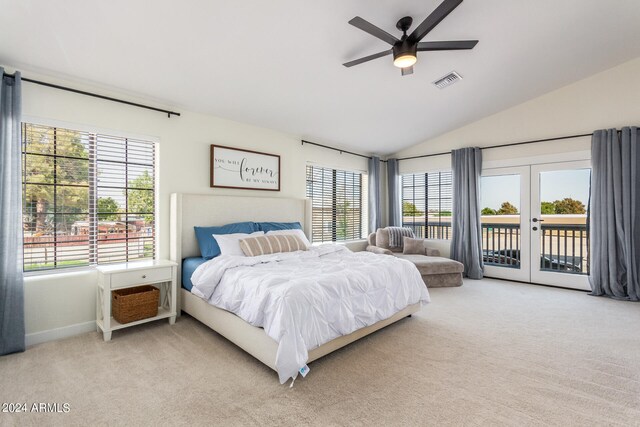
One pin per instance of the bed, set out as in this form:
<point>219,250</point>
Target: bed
<point>189,210</point>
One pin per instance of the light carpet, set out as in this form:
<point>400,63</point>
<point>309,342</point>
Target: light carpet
<point>487,353</point>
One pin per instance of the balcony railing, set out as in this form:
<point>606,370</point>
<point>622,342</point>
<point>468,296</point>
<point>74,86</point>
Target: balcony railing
<point>501,244</point>
<point>434,230</point>
<point>564,247</point>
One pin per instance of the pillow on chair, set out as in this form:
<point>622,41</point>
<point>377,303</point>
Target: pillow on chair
<point>414,246</point>
<point>397,235</point>
<point>417,247</point>
<point>382,238</point>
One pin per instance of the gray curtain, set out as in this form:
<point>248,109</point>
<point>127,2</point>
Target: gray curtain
<point>615,213</point>
<point>395,205</point>
<point>11,290</point>
<point>374,194</point>
<point>466,240</point>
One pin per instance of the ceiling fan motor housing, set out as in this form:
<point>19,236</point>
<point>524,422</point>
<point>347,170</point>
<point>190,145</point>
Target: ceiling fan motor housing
<point>404,48</point>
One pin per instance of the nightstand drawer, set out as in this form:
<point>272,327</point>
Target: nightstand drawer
<point>140,277</point>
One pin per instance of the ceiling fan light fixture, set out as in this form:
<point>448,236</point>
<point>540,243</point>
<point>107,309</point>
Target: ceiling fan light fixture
<point>404,61</point>
<point>404,54</point>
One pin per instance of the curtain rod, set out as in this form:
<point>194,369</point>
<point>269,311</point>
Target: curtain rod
<point>336,149</point>
<point>95,95</point>
<point>558,138</point>
<point>504,145</point>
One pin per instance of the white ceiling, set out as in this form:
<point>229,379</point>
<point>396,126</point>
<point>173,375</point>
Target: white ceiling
<point>277,63</point>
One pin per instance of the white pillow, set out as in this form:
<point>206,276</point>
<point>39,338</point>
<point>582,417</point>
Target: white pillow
<point>295,232</point>
<point>230,243</point>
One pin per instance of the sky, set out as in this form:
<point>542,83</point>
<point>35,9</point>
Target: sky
<point>554,185</point>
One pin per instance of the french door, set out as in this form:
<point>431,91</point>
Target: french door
<point>505,219</point>
<point>534,223</point>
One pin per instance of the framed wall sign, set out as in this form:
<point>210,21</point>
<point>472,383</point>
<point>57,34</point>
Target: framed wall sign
<point>244,169</point>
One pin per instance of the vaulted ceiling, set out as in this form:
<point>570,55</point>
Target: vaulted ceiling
<point>278,64</point>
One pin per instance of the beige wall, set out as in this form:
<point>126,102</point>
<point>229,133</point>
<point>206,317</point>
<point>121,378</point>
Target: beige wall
<point>66,300</point>
<point>605,100</point>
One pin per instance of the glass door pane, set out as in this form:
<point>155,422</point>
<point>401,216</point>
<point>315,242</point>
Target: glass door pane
<point>504,205</point>
<point>560,197</point>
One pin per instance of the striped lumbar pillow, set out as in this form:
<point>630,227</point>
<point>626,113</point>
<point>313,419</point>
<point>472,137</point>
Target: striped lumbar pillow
<point>271,244</point>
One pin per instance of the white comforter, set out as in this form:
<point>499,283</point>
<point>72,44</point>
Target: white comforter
<point>307,298</point>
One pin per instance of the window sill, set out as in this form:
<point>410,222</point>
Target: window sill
<point>43,274</point>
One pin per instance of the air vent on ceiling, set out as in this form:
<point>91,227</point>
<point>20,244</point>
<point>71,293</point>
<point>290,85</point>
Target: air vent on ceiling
<point>447,80</point>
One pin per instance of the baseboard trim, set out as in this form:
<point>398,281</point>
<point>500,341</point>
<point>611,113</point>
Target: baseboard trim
<point>539,284</point>
<point>59,333</point>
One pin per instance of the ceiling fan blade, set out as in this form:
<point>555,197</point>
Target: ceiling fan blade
<point>368,27</point>
<point>452,45</point>
<point>407,70</point>
<point>367,58</point>
<point>441,12</point>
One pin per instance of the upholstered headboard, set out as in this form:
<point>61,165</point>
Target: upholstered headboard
<point>189,210</point>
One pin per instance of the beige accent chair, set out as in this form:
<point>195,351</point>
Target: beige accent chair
<point>436,271</point>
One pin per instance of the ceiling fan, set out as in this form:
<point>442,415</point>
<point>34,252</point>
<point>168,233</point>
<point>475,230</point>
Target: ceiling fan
<point>405,49</point>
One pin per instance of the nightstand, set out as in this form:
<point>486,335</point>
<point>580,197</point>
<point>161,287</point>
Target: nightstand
<point>162,274</point>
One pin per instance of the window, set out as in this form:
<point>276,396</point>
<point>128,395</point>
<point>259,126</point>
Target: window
<point>87,198</point>
<point>338,200</point>
<point>427,204</point>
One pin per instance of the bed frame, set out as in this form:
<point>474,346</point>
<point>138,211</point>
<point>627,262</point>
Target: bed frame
<point>189,210</point>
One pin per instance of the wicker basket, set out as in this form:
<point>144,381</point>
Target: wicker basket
<point>131,304</point>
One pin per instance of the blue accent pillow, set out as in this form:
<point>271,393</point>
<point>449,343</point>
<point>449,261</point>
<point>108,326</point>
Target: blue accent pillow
<point>209,247</point>
<point>271,226</point>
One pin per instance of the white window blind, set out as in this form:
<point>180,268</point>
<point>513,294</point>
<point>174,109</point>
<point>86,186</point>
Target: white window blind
<point>427,204</point>
<point>88,198</point>
<point>338,204</point>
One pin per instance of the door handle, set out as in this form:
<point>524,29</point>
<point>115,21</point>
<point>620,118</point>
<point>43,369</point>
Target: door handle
<point>537,220</point>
